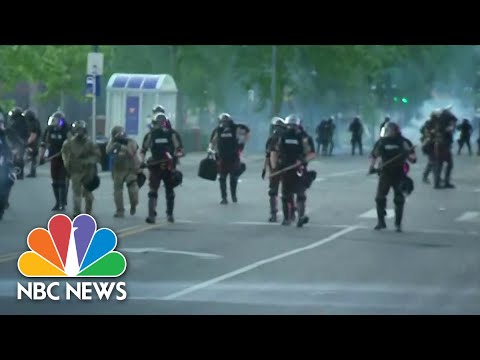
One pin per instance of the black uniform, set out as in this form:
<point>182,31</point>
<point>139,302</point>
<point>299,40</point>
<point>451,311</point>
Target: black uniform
<point>393,151</point>
<point>274,181</point>
<point>292,150</point>
<point>466,130</point>
<point>328,144</point>
<point>5,170</point>
<point>52,141</point>
<point>320,133</point>
<point>228,157</point>
<point>162,144</point>
<point>18,125</point>
<point>34,128</point>
<point>356,128</point>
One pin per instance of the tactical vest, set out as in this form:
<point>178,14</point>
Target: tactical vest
<point>392,148</point>
<point>291,147</point>
<point>227,142</point>
<point>161,143</point>
<point>56,138</point>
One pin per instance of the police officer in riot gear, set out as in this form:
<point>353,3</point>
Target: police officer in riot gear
<point>224,141</point>
<point>125,169</point>
<point>159,109</point>
<point>393,150</point>
<point>466,131</point>
<point>7,177</point>
<point>278,126</point>
<point>427,141</point>
<point>19,126</point>
<point>35,133</point>
<point>163,145</point>
<point>356,128</point>
<point>80,156</point>
<point>444,123</point>
<point>56,133</point>
<point>290,158</point>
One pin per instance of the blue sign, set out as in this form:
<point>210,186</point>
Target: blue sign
<point>132,115</point>
<point>89,86</point>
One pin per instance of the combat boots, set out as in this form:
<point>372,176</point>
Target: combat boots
<point>273,209</point>
<point>55,189</point>
<point>233,188</point>
<point>381,213</point>
<point>398,217</point>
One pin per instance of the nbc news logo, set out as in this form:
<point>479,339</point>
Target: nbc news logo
<point>72,249</point>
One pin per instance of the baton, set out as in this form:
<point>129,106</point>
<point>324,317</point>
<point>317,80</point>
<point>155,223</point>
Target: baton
<point>309,158</point>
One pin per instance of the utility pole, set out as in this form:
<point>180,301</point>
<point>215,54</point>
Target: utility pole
<point>273,89</point>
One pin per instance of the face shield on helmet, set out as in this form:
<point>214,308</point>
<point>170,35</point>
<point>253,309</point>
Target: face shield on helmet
<point>79,128</point>
<point>224,120</point>
<point>57,120</point>
<point>292,121</point>
<point>118,132</point>
<point>392,129</point>
<point>160,121</point>
<point>158,109</point>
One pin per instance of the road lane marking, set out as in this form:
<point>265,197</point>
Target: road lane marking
<point>468,216</point>
<point>258,264</point>
<point>372,214</point>
<point>167,251</point>
<point>129,231</point>
<point>265,223</point>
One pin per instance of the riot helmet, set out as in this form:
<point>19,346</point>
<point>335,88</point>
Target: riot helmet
<point>79,128</point>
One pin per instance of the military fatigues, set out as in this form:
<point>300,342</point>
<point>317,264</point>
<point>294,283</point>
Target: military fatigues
<point>162,144</point>
<point>125,169</point>
<point>80,156</point>
<point>5,169</point>
<point>443,140</point>
<point>274,182</point>
<point>393,151</point>
<point>225,142</point>
<point>356,129</point>
<point>52,141</point>
<point>292,148</point>
<point>465,133</point>
<point>426,139</point>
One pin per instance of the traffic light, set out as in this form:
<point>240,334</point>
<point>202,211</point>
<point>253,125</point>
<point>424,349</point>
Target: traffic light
<point>395,99</point>
<point>405,100</point>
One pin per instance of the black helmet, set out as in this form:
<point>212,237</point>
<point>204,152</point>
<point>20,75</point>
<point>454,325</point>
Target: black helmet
<point>161,120</point>
<point>158,109</point>
<point>93,184</point>
<point>57,119</point>
<point>29,115</point>
<point>141,179</point>
<point>392,129</point>
<point>15,112</point>
<point>79,127</point>
<point>177,178</point>
<point>406,185</point>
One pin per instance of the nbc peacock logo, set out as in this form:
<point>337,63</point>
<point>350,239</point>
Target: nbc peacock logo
<point>71,249</point>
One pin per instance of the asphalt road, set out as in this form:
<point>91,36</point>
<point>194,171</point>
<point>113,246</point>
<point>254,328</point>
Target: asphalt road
<point>220,259</point>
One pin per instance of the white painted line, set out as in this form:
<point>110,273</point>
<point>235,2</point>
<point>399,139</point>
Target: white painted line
<point>372,214</point>
<point>343,173</point>
<point>320,179</point>
<point>476,190</point>
<point>265,223</point>
<point>468,216</point>
<point>257,264</point>
<point>166,251</point>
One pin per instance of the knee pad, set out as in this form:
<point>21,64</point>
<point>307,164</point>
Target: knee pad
<point>222,178</point>
<point>152,195</point>
<point>381,201</point>
<point>399,200</point>
<point>272,192</point>
<point>301,197</point>
<point>170,196</point>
